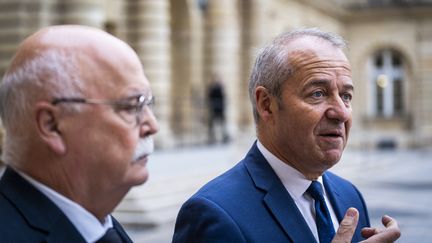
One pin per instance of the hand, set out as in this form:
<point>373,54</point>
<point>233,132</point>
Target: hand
<point>347,227</point>
<point>389,234</point>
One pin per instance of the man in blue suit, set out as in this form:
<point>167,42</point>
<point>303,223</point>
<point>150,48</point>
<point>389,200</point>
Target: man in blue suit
<point>301,91</point>
<point>74,105</point>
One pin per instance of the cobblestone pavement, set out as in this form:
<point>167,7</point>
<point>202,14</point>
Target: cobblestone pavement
<point>393,182</point>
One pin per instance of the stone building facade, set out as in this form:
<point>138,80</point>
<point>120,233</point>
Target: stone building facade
<point>183,43</point>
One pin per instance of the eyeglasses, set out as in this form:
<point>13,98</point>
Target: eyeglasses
<point>131,109</point>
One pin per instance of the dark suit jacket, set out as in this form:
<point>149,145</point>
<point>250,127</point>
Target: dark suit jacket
<point>249,203</point>
<point>27,215</point>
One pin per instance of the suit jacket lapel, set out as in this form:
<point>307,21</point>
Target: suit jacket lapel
<point>37,209</point>
<point>338,201</point>
<point>63,231</point>
<point>277,199</point>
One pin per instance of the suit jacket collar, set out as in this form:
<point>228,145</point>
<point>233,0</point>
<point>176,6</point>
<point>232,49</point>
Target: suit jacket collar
<point>37,209</point>
<point>277,199</point>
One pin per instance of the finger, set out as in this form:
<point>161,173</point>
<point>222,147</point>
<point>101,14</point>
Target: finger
<point>347,227</point>
<point>389,234</point>
<point>392,231</point>
<point>388,221</point>
<point>368,232</point>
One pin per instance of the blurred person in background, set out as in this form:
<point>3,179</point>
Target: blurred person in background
<point>74,103</point>
<point>301,91</point>
<point>216,104</point>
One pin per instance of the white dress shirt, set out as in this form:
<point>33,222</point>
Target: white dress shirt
<point>87,225</point>
<point>296,184</point>
<point>2,170</point>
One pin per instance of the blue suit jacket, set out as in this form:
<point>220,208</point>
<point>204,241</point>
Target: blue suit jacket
<point>249,203</point>
<point>27,215</point>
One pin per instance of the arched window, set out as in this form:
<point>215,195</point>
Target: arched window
<point>388,81</point>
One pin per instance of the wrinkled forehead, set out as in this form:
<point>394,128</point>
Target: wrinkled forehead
<point>311,49</point>
<point>114,77</point>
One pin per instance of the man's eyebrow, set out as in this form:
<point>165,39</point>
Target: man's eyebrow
<point>316,82</point>
<point>349,87</point>
<point>324,83</point>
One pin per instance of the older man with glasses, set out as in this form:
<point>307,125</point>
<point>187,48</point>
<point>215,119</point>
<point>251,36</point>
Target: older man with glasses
<point>75,105</point>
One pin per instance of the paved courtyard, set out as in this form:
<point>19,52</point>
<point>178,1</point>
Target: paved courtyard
<point>393,182</point>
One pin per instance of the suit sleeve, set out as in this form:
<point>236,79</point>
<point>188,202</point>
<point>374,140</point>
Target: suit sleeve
<point>202,220</point>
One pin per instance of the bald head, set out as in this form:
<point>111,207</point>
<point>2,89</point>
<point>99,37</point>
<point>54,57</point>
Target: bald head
<point>58,61</point>
<point>71,39</point>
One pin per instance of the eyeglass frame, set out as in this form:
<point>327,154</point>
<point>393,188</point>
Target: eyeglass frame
<point>118,104</point>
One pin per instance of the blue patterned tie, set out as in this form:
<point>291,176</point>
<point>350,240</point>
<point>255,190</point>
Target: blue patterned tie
<point>324,223</point>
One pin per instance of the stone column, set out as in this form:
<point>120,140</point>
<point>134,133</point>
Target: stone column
<point>423,107</point>
<point>222,50</point>
<point>198,111</point>
<point>148,32</point>
<point>82,12</point>
<point>253,29</point>
<point>181,67</point>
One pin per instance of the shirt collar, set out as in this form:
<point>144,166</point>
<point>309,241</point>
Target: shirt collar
<point>86,223</point>
<point>294,182</point>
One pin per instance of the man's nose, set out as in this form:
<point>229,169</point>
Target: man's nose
<point>339,110</point>
<point>149,124</point>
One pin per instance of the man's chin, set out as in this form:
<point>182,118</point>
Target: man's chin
<point>139,177</point>
<point>138,171</point>
<point>332,157</point>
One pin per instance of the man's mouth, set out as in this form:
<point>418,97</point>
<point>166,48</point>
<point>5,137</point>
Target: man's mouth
<point>140,159</point>
<point>333,133</point>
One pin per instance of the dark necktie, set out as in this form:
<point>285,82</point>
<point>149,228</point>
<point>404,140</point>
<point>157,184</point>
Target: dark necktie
<point>324,223</point>
<point>111,236</point>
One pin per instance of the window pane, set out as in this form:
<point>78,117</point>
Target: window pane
<point>379,100</point>
<point>398,96</point>
<point>396,61</point>
<point>379,60</point>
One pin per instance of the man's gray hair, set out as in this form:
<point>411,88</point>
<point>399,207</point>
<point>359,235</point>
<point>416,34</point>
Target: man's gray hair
<point>272,68</point>
<point>52,73</point>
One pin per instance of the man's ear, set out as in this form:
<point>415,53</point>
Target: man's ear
<point>47,118</point>
<point>265,103</point>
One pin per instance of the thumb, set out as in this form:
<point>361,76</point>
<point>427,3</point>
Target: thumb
<point>347,227</point>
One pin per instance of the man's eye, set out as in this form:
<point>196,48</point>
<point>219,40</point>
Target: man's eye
<point>347,97</point>
<point>317,94</point>
<point>126,107</point>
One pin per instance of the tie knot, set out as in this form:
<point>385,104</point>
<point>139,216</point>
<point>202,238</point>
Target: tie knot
<point>315,190</point>
<point>111,236</point>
